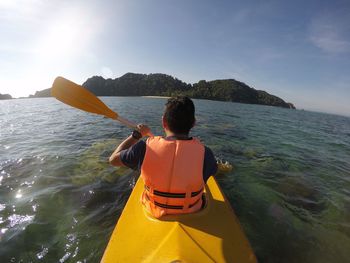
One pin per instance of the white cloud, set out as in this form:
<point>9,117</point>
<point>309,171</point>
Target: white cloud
<point>53,42</point>
<point>19,5</point>
<point>106,72</point>
<point>25,12</point>
<point>329,33</point>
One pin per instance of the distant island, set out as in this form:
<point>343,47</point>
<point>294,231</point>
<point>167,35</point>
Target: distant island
<point>133,84</point>
<point>5,96</point>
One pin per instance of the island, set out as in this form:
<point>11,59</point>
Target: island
<point>5,96</point>
<point>41,94</point>
<point>135,84</point>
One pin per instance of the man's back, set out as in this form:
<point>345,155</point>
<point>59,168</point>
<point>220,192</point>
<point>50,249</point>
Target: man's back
<point>174,168</point>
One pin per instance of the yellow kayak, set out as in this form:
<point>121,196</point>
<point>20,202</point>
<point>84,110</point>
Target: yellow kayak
<point>210,235</point>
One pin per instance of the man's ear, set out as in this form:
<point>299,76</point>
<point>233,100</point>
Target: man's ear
<point>194,123</point>
<point>164,123</point>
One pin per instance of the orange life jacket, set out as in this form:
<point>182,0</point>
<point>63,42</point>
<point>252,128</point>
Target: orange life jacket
<point>172,171</point>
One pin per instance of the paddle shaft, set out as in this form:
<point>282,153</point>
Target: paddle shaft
<point>127,123</point>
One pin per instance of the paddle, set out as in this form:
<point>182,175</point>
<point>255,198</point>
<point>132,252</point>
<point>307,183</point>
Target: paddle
<point>78,97</point>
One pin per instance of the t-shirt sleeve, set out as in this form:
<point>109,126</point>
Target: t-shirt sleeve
<point>209,166</point>
<point>133,157</point>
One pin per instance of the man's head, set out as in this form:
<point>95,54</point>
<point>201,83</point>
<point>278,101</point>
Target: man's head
<point>178,116</point>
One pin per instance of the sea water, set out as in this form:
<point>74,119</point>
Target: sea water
<point>60,199</point>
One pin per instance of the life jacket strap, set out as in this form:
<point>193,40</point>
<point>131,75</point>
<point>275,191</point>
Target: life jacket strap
<point>166,206</point>
<point>172,195</point>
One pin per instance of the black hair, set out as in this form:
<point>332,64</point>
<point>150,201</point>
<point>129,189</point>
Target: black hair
<point>179,114</point>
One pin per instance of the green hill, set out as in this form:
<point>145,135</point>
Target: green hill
<point>41,94</point>
<point>132,84</point>
<point>5,97</point>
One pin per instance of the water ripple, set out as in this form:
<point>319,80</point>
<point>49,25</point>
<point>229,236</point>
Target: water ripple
<point>290,186</point>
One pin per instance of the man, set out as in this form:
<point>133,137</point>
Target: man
<point>174,168</point>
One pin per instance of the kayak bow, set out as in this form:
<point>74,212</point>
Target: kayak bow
<point>210,235</point>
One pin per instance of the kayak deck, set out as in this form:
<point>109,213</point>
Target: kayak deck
<point>210,235</point>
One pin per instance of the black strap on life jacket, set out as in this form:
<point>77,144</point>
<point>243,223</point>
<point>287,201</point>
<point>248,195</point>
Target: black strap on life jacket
<point>166,206</point>
<point>173,195</point>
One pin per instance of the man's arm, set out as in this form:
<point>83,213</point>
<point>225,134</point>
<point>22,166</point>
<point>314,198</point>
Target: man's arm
<point>209,166</point>
<point>114,159</point>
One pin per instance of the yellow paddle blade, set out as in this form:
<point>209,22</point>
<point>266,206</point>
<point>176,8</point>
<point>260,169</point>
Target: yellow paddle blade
<point>78,97</point>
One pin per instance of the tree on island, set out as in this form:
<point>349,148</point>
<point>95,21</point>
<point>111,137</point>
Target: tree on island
<point>5,97</point>
<point>132,84</point>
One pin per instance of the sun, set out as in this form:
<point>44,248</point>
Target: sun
<point>67,37</point>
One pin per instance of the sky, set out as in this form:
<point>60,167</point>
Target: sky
<point>297,50</point>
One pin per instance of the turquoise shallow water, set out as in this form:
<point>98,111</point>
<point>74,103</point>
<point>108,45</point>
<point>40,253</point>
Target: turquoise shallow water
<point>60,200</point>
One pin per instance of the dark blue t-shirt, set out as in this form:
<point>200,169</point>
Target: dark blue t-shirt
<point>133,158</point>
